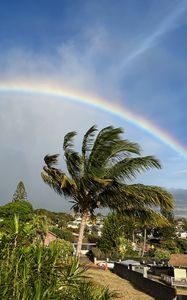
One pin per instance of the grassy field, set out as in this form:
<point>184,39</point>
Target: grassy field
<point>125,289</point>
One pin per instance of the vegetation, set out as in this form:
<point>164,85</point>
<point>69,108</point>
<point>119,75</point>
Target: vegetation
<point>30,270</point>
<point>162,254</point>
<point>23,209</point>
<point>119,234</point>
<point>113,242</point>
<point>65,234</point>
<point>20,193</point>
<point>99,176</point>
<point>59,219</point>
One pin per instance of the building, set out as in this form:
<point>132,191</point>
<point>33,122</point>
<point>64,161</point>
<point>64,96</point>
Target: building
<point>50,237</point>
<point>179,264</point>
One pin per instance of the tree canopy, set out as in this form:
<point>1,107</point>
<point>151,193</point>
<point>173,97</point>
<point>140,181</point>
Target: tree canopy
<point>20,194</point>
<point>99,176</point>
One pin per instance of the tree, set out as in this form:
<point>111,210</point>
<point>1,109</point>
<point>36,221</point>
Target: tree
<point>99,176</point>
<point>59,219</point>
<point>117,226</point>
<point>167,232</point>
<point>150,223</point>
<point>20,193</point>
<point>113,242</point>
<point>23,209</point>
<point>162,254</point>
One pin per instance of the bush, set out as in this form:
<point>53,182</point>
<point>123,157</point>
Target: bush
<point>22,208</point>
<point>63,234</point>
<point>31,271</point>
<point>162,254</point>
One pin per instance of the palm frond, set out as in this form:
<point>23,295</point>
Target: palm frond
<point>73,160</point>
<point>88,140</point>
<point>122,197</point>
<point>130,167</point>
<point>125,148</point>
<point>59,182</point>
<point>104,140</point>
<point>146,216</point>
<point>154,196</point>
<point>109,148</point>
<point>51,160</point>
<point>68,141</point>
<point>51,182</point>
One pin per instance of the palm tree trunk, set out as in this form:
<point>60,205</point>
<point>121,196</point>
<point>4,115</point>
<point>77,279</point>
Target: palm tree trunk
<point>144,241</point>
<point>133,237</point>
<point>81,233</point>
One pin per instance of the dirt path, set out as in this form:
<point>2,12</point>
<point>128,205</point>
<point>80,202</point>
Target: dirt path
<point>126,290</point>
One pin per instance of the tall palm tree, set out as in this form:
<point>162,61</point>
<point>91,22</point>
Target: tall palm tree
<point>99,176</point>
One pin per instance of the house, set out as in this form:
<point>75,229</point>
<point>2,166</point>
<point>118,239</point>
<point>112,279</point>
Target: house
<point>50,237</point>
<point>183,235</point>
<point>92,226</point>
<point>179,264</point>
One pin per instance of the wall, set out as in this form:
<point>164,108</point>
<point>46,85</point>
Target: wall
<point>162,270</point>
<point>155,289</point>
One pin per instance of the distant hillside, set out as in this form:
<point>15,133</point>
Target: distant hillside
<point>180,196</point>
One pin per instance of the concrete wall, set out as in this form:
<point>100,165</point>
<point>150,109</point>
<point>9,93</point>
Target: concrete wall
<point>155,289</point>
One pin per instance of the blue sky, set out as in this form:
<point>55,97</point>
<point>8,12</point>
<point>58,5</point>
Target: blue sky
<point>132,53</point>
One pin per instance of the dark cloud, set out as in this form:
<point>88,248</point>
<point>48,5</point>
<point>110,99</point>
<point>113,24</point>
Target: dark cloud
<point>180,196</point>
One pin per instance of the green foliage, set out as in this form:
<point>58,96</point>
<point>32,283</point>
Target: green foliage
<point>31,271</point>
<point>162,254</point>
<point>20,193</point>
<point>110,233</point>
<point>93,238</point>
<point>182,245</point>
<point>99,175</point>
<point>168,231</point>
<point>170,245</point>
<point>57,218</point>
<point>23,209</point>
<point>175,245</point>
<point>63,234</point>
<point>113,241</point>
<point>98,253</point>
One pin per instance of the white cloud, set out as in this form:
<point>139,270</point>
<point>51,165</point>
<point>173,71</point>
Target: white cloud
<point>181,172</point>
<point>169,23</point>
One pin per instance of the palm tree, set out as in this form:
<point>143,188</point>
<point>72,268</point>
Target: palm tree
<point>99,176</point>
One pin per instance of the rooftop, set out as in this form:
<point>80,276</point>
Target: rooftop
<point>178,260</point>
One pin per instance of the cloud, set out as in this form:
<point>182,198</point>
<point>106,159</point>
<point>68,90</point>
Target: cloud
<point>180,196</point>
<point>33,126</point>
<point>181,172</point>
<point>169,23</point>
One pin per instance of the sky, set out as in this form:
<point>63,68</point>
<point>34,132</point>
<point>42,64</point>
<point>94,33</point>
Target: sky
<point>68,64</point>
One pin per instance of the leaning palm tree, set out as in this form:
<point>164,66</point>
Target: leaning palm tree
<point>99,176</point>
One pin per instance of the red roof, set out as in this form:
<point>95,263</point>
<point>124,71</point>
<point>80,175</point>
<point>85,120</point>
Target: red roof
<point>178,260</point>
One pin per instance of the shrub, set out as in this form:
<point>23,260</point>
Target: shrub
<point>31,271</point>
<point>162,254</point>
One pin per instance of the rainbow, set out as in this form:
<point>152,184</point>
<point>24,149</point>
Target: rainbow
<point>101,104</point>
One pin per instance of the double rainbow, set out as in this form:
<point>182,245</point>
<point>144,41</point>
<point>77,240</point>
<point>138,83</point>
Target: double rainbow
<point>77,97</point>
